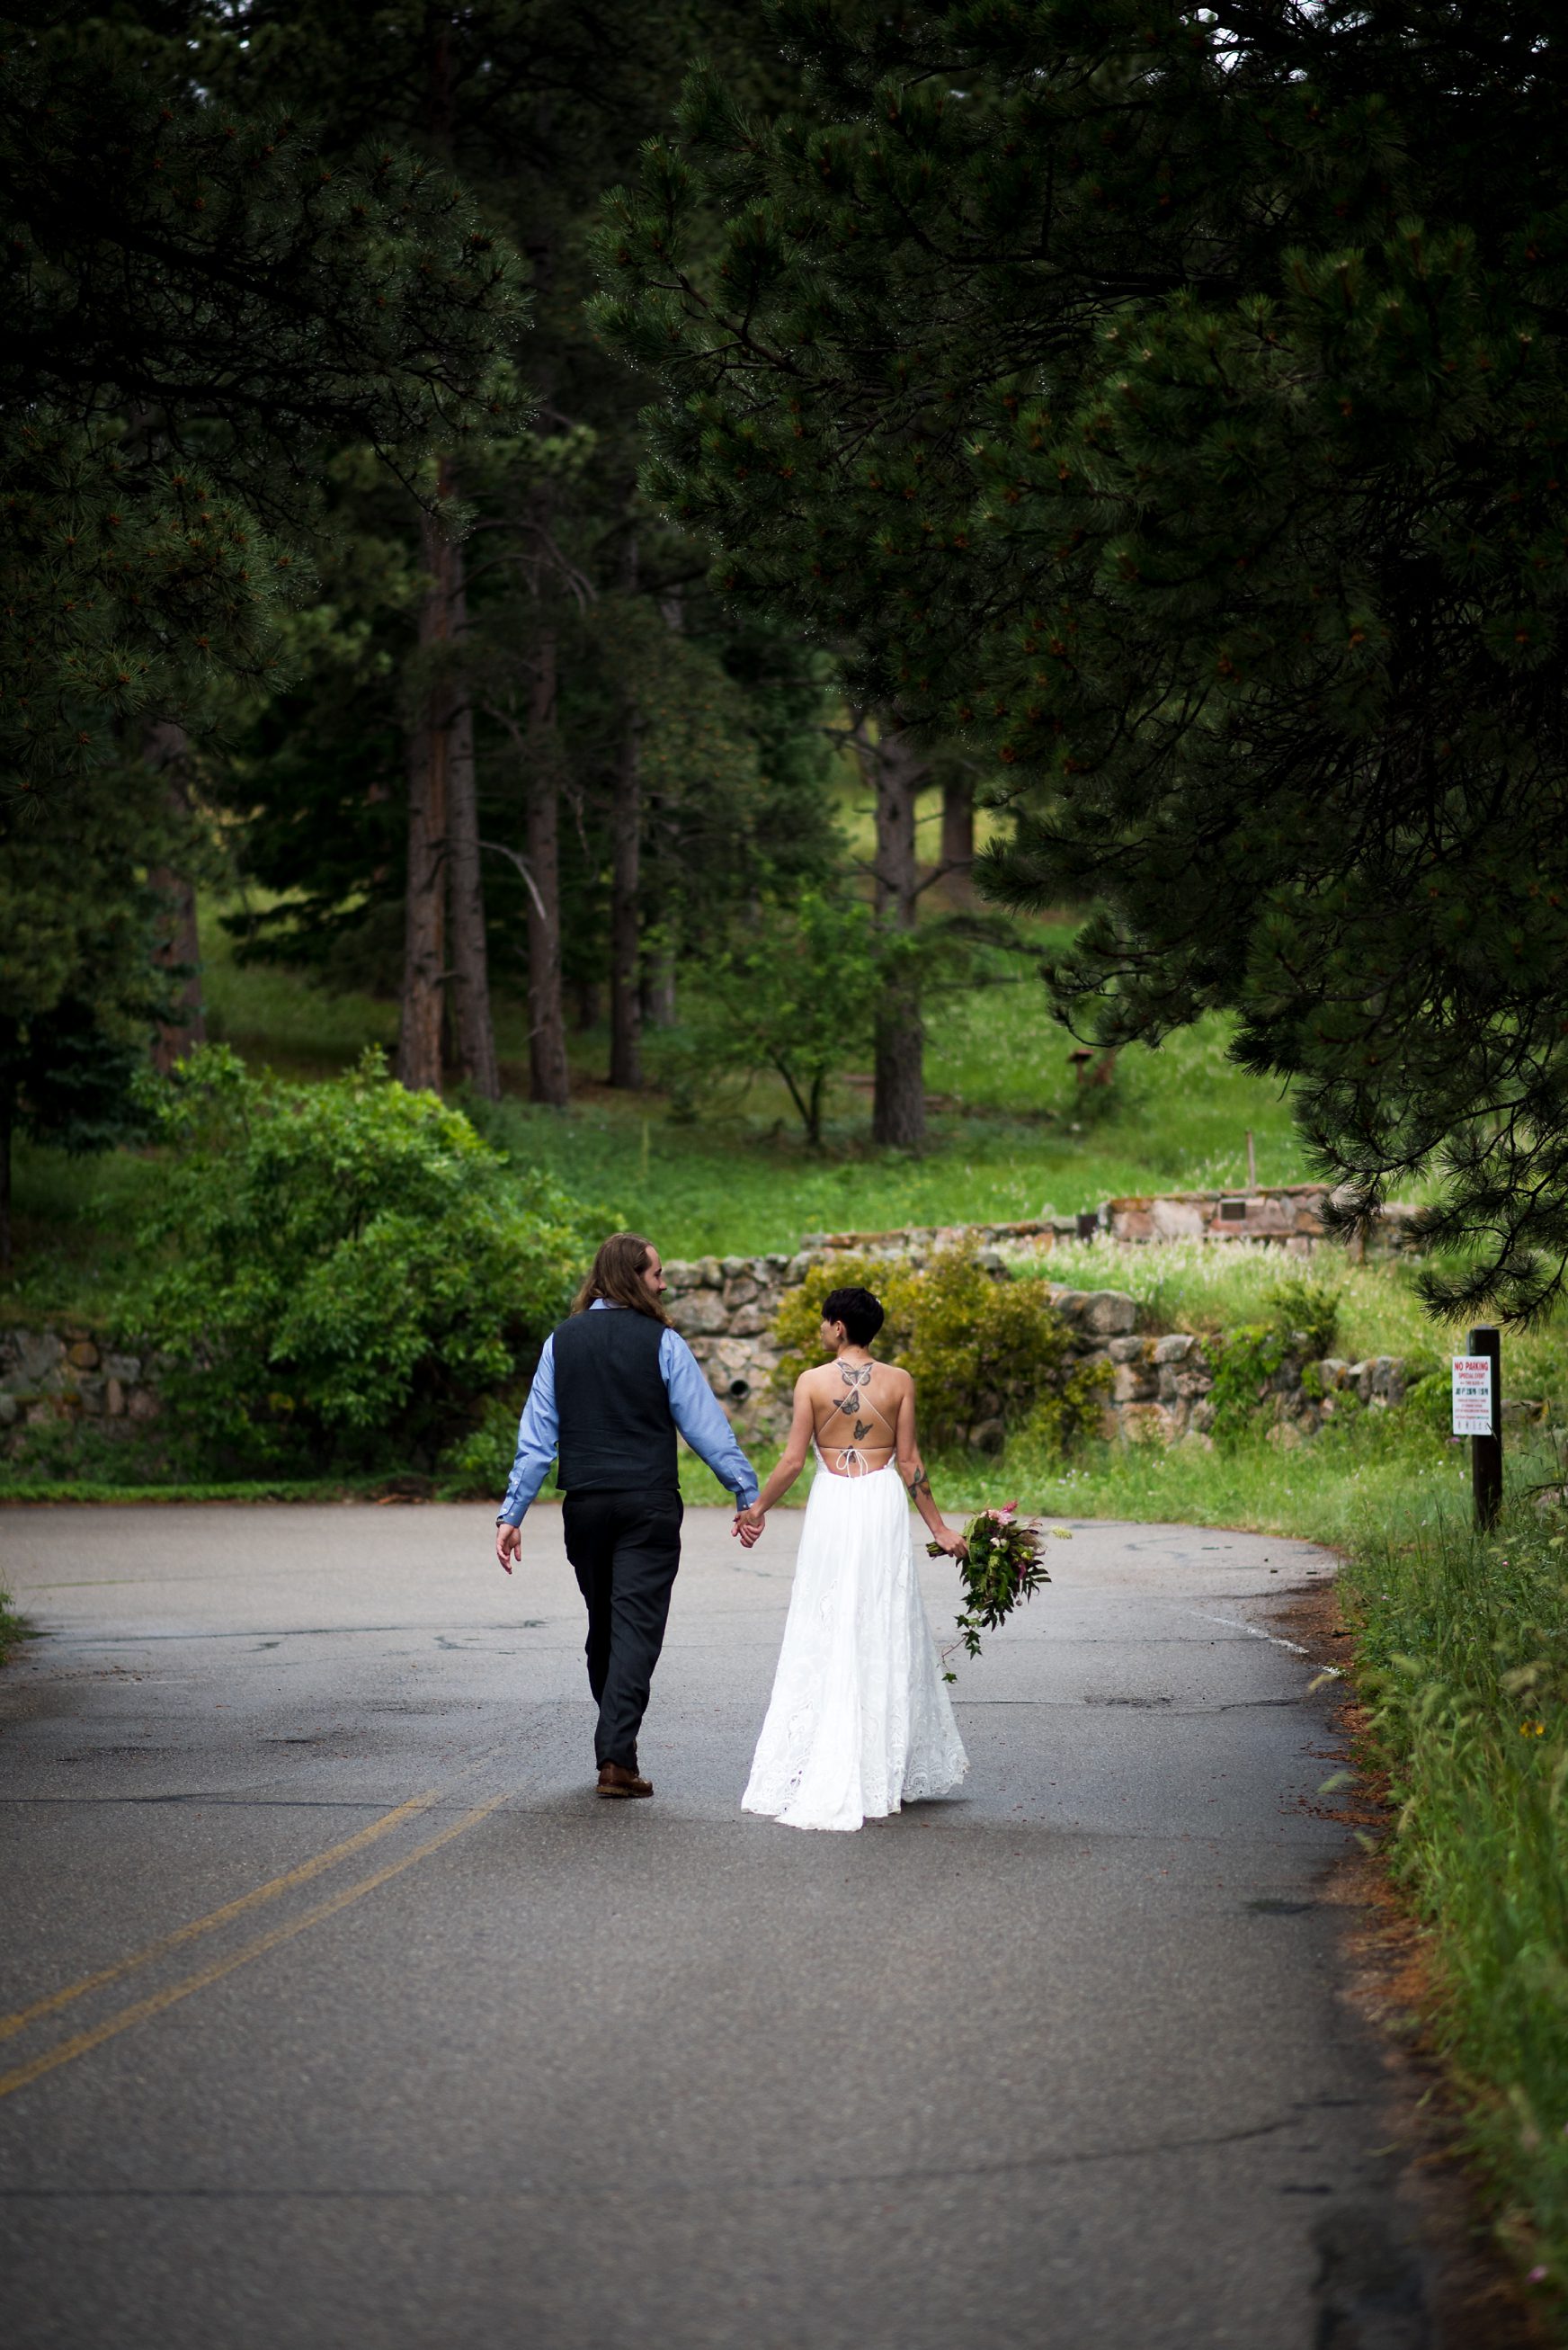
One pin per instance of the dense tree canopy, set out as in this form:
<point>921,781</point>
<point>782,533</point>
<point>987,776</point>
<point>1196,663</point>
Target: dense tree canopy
<point>1177,403</point>
<point>196,299</point>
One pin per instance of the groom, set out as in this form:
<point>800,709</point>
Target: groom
<point>613,1384</point>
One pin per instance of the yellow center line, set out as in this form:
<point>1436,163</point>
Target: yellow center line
<point>154,2004</point>
<point>330,1858</point>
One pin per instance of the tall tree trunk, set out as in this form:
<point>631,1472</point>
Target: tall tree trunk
<point>424,925</point>
<point>899,1102</point>
<point>625,877</point>
<point>473,1032</point>
<point>626,849</point>
<point>166,746</point>
<point>7,1120</point>
<point>958,831</point>
<point>660,1007</point>
<point>548,1077</point>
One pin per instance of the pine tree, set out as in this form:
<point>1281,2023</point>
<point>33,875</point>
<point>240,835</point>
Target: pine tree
<point>564,664</point>
<point>1177,405</point>
<point>195,296</point>
<point>82,984</point>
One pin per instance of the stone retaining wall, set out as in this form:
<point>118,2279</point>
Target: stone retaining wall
<point>1162,1385</point>
<point>69,1374</point>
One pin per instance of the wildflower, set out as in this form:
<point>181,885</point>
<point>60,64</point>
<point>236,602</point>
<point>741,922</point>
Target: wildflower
<point>1532,1730</point>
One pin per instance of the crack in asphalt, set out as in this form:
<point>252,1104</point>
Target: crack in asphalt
<point>670,2191</point>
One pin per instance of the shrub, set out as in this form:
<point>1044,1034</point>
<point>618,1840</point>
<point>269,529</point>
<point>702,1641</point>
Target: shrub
<point>985,1355</point>
<point>345,1269</point>
<point>1302,1321</point>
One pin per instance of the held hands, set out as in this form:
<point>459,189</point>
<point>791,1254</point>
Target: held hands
<point>748,1525</point>
<point>508,1545</point>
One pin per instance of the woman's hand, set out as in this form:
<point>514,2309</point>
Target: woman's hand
<point>954,1545</point>
<point>749,1524</point>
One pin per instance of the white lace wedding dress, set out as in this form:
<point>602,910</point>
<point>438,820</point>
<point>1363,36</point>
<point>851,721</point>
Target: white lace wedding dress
<point>859,1721</point>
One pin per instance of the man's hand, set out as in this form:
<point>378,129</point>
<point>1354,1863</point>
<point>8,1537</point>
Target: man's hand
<point>749,1524</point>
<point>508,1545</point>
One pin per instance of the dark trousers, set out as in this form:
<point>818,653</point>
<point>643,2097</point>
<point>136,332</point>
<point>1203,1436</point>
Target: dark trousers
<point>625,1547</point>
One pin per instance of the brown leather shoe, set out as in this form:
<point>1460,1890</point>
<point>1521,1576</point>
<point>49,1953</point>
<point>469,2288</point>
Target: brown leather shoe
<point>616,1780</point>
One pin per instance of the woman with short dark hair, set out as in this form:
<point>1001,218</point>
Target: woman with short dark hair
<point>859,1722</point>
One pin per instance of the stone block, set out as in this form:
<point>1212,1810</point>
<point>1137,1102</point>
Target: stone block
<point>144,1405</point>
<point>742,1289</point>
<point>1201,1417</point>
<point>749,1322</point>
<point>1174,1348</point>
<point>1332,1373</point>
<point>701,1316</point>
<point>82,1354</point>
<point>1388,1379</point>
<point>113,1397</point>
<point>36,1353</point>
<point>10,1410</point>
<point>1107,1313</point>
<point>126,1368</point>
<point>1184,1382</point>
<point>1286,1434</point>
<point>1176,1219</point>
<point>1068,1303</point>
<point>1146,1423</point>
<point>1128,1350</point>
<point>1135,1383</point>
<point>90,1394</point>
<point>707,1273</point>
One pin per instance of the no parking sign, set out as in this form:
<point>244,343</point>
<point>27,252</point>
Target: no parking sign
<point>1472,1395</point>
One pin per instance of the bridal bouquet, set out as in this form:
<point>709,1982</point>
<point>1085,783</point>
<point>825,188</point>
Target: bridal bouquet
<point>1005,1566</point>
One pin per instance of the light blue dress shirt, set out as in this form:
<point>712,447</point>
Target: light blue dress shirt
<point>694,1405</point>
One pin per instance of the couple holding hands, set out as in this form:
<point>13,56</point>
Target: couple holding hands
<point>859,1721</point>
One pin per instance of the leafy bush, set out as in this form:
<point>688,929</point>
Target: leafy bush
<point>985,1355</point>
<point>341,1270</point>
<point>1302,1322</point>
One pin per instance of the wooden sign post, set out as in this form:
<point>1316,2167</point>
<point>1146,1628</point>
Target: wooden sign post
<point>1478,1414</point>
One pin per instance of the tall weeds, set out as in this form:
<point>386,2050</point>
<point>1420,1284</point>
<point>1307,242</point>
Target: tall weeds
<point>1463,1661</point>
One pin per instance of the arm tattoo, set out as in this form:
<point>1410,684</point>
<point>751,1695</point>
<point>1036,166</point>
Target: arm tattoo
<point>920,1483</point>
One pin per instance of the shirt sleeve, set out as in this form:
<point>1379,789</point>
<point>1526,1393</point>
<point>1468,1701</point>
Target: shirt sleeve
<point>700,1418</point>
<point>538,1432</point>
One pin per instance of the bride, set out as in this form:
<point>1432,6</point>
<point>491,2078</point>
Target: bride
<point>859,1720</point>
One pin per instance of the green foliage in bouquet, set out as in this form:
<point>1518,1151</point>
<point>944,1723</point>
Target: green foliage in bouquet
<point>341,1270</point>
<point>981,1351</point>
<point>1005,1566</point>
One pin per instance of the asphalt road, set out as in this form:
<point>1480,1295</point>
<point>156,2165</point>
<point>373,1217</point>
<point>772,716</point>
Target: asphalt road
<point>348,2015</point>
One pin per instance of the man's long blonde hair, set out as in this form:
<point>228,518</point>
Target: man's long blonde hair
<point>616,1275</point>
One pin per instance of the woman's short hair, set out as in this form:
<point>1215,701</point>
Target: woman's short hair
<point>617,1276</point>
<point>860,1312</point>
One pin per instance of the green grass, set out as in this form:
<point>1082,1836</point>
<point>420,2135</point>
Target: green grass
<point>14,1628</point>
<point>1009,1140</point>
<point>1462,1654</point>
